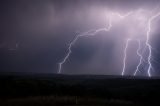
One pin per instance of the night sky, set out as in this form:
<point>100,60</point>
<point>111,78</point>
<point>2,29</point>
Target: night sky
<point>35,35</point>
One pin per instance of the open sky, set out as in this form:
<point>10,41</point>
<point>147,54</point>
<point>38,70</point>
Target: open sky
<point>35,35</point>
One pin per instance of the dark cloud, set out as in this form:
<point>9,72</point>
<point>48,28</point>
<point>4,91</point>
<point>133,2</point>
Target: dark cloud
<point>43,28</point>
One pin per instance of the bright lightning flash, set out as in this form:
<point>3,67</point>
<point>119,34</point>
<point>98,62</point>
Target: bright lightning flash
<point>89,33</point>
<point>141,57</point>
<point>112,17</point>
<point>148,44</point>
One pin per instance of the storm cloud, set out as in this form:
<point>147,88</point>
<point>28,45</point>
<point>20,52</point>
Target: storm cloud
<point>35,34</point>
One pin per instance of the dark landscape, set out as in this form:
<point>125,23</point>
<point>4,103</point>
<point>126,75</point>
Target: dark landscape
<point>52,89</point>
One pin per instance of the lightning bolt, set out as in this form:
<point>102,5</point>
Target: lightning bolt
<point>141,57</point>
<point>148,44</point>
<point>125,56</point>
<point>94,32</point>
<point>150,67</point>
<point>89,33</point>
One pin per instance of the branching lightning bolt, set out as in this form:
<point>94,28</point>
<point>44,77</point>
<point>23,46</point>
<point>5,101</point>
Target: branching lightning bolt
<point>139,48</point>
<point>89,33</point>
<point>148,44</point>
<point>94,32</point>
<point>141,57</point>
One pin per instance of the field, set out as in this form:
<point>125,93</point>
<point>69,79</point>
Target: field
<point>95,90</point>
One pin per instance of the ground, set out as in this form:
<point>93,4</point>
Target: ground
<point>95,90</point>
